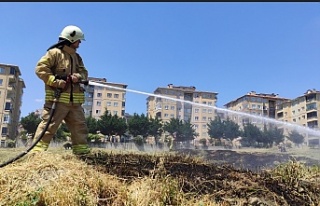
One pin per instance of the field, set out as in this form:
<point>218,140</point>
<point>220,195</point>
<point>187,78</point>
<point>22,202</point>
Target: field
<point>183,177</point>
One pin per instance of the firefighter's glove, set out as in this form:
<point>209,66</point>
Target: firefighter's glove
<point>76,77</point>
<point>59,83</point>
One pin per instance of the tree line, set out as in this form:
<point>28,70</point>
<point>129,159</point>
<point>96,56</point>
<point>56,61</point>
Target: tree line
<point>141,126</point>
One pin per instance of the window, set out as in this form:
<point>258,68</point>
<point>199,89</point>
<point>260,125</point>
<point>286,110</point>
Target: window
<point>210,103</point>
<point>204,118</point>
<point>98,111</point>
<point>2,70</point>
<point>115,112</point>
<point>109,95</point>
<point>4,131</point>
<point>166,115</point>
<point>108,103</point>
<point>98,103</point>
<point>204,110</point>
<point>196,118</point>
<point>172,107</point>
<point>6,118</point>
<point>99,94</point>
<point>210,111</point>
<point>8,106</point>
<point>1,81</point>
<point>196,110</point>
<point>209,118</point>
<point>166,107</point>
<point>204,102</point>
<point>204,126</point>
<point>115,104</point>
<point>172,115</point>
<point>12,70</point>
<point>116,96</point>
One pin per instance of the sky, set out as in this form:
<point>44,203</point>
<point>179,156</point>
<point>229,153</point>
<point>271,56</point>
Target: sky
<point>225,47</point>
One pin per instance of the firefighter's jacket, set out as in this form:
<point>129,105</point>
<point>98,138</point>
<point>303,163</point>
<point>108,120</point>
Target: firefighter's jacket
<point>63,61</point>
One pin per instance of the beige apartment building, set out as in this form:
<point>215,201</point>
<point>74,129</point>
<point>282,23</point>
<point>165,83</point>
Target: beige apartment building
<point>98,99</point>
<point>256,104</point>
<point>185,103</point>
<point>11,92</point>
<point>303,110</point>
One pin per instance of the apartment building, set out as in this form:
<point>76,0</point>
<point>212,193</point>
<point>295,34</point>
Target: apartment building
<point>11,92</point>
<point>303,110</point>
<point>257,104</point>
<point>106,97</point>
<point>185,103</point>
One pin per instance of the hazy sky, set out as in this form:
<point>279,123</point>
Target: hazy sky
<point>228,48</point>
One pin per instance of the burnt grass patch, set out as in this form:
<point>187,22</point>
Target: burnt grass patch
<point>228,177</point>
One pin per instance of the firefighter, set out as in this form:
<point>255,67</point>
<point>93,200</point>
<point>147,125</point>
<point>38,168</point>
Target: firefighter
<point>62,60</point>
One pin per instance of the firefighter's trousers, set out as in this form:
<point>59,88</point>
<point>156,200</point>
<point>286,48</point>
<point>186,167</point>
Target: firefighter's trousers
<point>73,115</point>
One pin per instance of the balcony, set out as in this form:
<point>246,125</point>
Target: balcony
<point>10,95</point>
<point>12,79</point>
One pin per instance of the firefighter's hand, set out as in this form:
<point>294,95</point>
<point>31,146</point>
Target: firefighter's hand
<point>74,78</point>
<point>60,83</point>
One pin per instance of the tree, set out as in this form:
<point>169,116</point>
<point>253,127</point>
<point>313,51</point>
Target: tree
<point>187,131</point>
<point>216,128</point>
<point>252,134</point>
<point>272,135</point>
<point>120,125</point>
<point>231,129</point>
<point>91,124</point>
<point>111,125</point>
<point>30,122</point>
<point>104,124</point>
<point>180,130</point>
<point>173,127</point>
<point>139,125</point>
<point>296,137</point>
<point>155,128</point>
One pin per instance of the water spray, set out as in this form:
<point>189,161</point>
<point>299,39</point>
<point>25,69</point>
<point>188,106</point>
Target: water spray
<point>265,119</point>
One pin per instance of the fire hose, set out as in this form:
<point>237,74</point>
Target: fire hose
<point>53,108</point>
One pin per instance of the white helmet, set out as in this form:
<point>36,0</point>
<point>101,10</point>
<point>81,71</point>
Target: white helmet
<point>72,33</point>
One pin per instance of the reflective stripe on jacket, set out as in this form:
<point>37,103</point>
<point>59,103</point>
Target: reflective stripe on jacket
<point>63,61</point>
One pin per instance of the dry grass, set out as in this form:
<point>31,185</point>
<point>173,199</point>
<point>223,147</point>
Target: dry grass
<point>58,178</point>
<point>48,179</point>
<point>63,180</point>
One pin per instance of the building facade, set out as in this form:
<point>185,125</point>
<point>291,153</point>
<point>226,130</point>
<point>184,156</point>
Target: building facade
<point>184,103</point>
<point>256,104</point>
<point>11,92</point>
<point>99,99</point>
<point>303,110</point>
